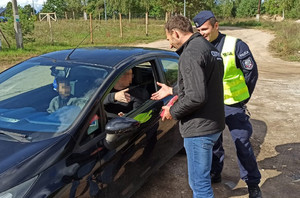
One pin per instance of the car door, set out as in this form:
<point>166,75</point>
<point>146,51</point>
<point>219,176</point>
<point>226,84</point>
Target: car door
<point>119,170</point>
<point>150,146</point>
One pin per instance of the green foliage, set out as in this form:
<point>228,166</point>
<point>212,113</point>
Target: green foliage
<point>9,10</point>
<point>226,8</point>
<point>74,6</point>
<point>26,21</point>
<point>272,7</point>
<point>57,6</point>
<point>290,8</point>
<point>27,11</point>
<point>247,8</point>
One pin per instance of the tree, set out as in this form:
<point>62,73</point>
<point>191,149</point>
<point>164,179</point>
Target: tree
<point>27,23</point>
<point>247,8</point>
<point>290,8</point>
<point>272,7</point>
<point>9,10</point>
<point>226,8</point>
<point>27,11</point>
<point>74,7</point>
<point>294,12</point>
<point>57,6</point>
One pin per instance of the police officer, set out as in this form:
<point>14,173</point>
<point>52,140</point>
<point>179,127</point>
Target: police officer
<point>240,76</point>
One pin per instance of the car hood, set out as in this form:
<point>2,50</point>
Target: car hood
<point>21,161</point>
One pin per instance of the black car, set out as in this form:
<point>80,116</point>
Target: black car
<point>77,150</point>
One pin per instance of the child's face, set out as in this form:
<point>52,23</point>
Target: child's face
<point>64,89</point>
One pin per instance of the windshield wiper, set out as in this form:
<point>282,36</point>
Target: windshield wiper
<point>17,136</point>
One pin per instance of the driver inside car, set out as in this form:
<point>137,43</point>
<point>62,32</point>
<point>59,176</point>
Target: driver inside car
<point>65,98</point>
<point>123,98</point>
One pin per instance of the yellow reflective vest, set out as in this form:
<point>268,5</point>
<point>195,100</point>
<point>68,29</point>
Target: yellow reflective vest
<point>235,88</point>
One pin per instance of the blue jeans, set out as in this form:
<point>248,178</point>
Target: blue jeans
<point>199,159</point>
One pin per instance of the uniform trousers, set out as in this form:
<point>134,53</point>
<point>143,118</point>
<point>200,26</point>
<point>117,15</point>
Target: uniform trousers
<point>240,129</point>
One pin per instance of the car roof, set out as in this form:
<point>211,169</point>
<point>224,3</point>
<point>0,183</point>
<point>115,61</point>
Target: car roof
<point>108,56</point>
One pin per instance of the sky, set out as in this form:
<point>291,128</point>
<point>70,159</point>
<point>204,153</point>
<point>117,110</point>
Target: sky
<point>36,3</point>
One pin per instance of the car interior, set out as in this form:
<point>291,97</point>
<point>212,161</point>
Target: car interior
<point>143,76</point>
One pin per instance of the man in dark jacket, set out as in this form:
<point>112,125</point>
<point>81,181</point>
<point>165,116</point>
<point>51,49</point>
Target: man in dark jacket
<point>240,76</point>
<point>200,100</point>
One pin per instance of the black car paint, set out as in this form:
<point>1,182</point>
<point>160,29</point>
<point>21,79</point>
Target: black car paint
<point>66,168</point>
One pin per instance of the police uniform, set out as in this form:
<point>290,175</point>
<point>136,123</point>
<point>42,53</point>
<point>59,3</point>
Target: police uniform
<point>240,76</point>
<point>236,118</point>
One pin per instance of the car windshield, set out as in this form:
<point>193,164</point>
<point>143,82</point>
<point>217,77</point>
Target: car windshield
<point>45,97</point>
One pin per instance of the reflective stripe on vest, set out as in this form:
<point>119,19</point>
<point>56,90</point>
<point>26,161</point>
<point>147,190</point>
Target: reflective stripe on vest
<point>235,88</point>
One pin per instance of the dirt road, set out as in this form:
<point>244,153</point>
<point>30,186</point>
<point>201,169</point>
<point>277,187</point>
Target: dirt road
<point>275,110</point>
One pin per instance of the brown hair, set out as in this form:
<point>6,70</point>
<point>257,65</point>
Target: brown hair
<point>179,22</point>
<point>213,21</point>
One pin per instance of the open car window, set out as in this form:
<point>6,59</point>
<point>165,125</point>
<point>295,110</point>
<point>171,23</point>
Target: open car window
<point>140,84</point>
<point>33,99</point>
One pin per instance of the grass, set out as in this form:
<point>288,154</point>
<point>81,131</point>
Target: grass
<point>286,44</point>
<point>69,33</point>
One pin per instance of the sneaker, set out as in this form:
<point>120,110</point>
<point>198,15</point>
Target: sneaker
<point>254,192</point>
<point>215,177</point>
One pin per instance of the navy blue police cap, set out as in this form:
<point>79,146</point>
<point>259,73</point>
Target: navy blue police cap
<point>202,17</point>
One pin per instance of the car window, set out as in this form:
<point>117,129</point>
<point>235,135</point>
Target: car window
<point>46,97</point>
<point>170,67</point>
<point>140,84</point>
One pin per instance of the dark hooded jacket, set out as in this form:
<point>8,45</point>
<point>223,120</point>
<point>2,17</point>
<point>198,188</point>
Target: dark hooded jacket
<point>200,105</point>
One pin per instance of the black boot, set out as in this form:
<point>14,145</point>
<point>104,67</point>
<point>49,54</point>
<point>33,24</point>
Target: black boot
<point>215,177</point>
<point>254,192</point>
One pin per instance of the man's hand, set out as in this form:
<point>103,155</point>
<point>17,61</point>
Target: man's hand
<point>167,114</point>
<point>122,96</point>
<point>163,92</point>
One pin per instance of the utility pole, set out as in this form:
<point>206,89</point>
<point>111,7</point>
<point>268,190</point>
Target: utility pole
<point>17,25</point>
<point>258,10</point>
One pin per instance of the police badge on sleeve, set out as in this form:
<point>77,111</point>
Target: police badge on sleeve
<point>248,63</point>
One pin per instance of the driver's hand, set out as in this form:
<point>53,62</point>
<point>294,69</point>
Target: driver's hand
<point>123,96</point>
<point>121,114</point>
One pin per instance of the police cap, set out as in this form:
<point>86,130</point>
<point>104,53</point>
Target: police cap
<point>202,17</point>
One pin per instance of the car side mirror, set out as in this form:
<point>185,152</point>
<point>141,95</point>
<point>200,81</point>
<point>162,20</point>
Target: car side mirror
<point>118,130</point>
